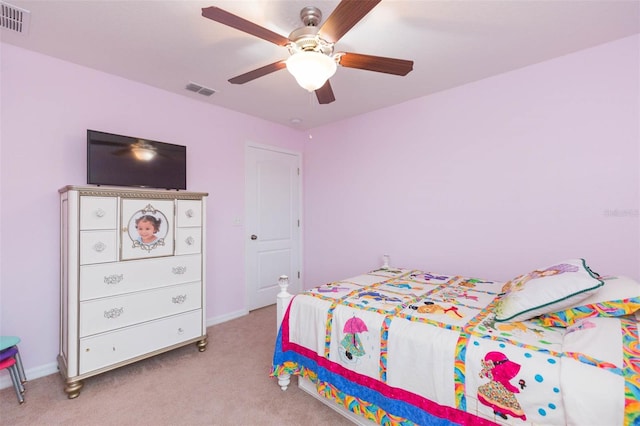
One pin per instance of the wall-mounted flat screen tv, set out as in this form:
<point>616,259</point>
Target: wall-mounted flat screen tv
<point>128,161</point>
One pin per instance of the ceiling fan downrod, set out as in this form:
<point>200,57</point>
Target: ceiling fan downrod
<point>306,39</point>
<point>310,16</point>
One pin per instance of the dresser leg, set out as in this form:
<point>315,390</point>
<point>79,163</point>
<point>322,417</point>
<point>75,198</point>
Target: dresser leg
<point>72,389</point>
<point>202,345</point>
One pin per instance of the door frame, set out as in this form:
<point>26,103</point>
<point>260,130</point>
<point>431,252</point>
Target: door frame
<point>247,210</point>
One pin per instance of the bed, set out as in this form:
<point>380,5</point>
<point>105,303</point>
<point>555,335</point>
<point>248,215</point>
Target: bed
<point>557,345</point>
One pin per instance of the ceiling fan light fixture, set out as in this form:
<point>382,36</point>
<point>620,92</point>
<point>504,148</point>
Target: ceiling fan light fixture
<point>311,69</point>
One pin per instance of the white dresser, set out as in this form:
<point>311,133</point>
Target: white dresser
<point>126,295</point>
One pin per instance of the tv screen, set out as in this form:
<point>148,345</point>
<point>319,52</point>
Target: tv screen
<point>127,161</point>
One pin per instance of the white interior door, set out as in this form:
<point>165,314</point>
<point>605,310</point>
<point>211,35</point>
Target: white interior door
<point>272,223</point>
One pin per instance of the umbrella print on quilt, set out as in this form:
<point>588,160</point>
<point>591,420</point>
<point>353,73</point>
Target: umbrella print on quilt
<point>351,342</point>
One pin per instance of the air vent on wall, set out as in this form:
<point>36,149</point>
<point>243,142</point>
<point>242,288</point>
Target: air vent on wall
<point>205,91</point>
<point>13,18</point>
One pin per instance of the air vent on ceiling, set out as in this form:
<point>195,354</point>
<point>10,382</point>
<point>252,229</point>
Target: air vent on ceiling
<point>13,18</point>
<point>205,91</point>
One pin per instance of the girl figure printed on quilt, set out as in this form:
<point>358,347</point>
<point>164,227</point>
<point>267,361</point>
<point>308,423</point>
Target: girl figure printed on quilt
<point>499,393</point>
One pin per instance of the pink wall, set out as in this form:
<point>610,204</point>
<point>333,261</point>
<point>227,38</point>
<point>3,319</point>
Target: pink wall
<point>47,105</point>
<point>490,179</point>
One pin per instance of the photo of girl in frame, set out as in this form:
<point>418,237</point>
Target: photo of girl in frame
<point>148,228</point>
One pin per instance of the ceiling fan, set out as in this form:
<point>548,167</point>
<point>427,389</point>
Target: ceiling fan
<point>312,61</point>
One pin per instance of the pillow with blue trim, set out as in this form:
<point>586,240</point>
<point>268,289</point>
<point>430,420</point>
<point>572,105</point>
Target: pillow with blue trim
<point>546,290</point>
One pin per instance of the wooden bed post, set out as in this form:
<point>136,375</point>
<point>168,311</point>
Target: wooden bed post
<point>283,300</point>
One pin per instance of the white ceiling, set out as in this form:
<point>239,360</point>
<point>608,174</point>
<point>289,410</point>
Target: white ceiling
<point>167,44</point>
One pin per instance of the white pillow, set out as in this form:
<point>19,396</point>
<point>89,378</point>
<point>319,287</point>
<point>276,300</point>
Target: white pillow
<point>546,290</point>
<point>618,296</point>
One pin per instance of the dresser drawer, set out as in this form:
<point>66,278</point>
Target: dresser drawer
<point>188,240</point>
<point>123,277</point>
<point>98,247</point>
<point>189,213</point>
<point>98,212</point>
<point>110,313</point>
<point>113,347</point>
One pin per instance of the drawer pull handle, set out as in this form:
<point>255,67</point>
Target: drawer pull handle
<point>180,330</point>
<point>100,213</point>
<point>190,241</point>
<point>189,213</point>
<point>113,279</point>
<point>179,270</point>
<point>113,313</point>
<point>179,299</point>
<point>99,246</point>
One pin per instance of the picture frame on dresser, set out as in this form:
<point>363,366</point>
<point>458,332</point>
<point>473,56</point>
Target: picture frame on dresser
<point>149,228</point>
<point>132,277</point>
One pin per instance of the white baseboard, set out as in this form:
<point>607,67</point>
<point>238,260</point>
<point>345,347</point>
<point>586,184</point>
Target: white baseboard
<point>228,317</point>
<point>52,368</point>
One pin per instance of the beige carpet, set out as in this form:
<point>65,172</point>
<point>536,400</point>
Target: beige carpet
<point>228,384</point>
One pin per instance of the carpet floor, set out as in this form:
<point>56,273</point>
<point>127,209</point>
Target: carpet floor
<point>228,384</point>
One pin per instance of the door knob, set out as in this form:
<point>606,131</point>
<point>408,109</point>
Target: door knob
<point>254,237</point>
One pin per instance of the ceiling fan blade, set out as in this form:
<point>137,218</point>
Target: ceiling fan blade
<point>233,21</point>
<point>325,94</point>
<point>258,72</point>
<point>344,17</point>
<point>376,63</point>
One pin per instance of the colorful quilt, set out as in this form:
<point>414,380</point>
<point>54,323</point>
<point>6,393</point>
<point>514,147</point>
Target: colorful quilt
<point>402,346</point>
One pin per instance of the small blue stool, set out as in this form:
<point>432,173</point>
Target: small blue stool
<point>10,359</point>
<point>9,344</point>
